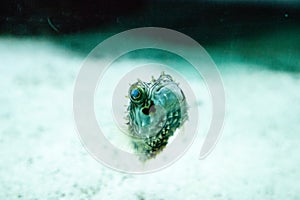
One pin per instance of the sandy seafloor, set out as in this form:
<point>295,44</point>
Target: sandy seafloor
<point>257,157</point>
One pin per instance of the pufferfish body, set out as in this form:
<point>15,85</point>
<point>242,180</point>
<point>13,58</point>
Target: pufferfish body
<point>156,110</point>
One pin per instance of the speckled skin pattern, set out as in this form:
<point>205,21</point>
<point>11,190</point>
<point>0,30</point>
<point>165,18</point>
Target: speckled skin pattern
<point>156,110</point>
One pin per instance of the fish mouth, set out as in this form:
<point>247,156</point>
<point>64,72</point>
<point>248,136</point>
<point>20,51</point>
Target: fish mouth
<point>150,109</point>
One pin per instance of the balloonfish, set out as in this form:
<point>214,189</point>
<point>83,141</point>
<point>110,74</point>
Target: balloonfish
<point>156,110</point>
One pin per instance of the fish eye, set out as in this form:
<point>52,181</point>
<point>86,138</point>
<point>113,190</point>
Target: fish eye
<point>136,93</point>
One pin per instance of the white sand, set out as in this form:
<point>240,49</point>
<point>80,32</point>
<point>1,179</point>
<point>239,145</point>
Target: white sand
<point>42,157</point>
